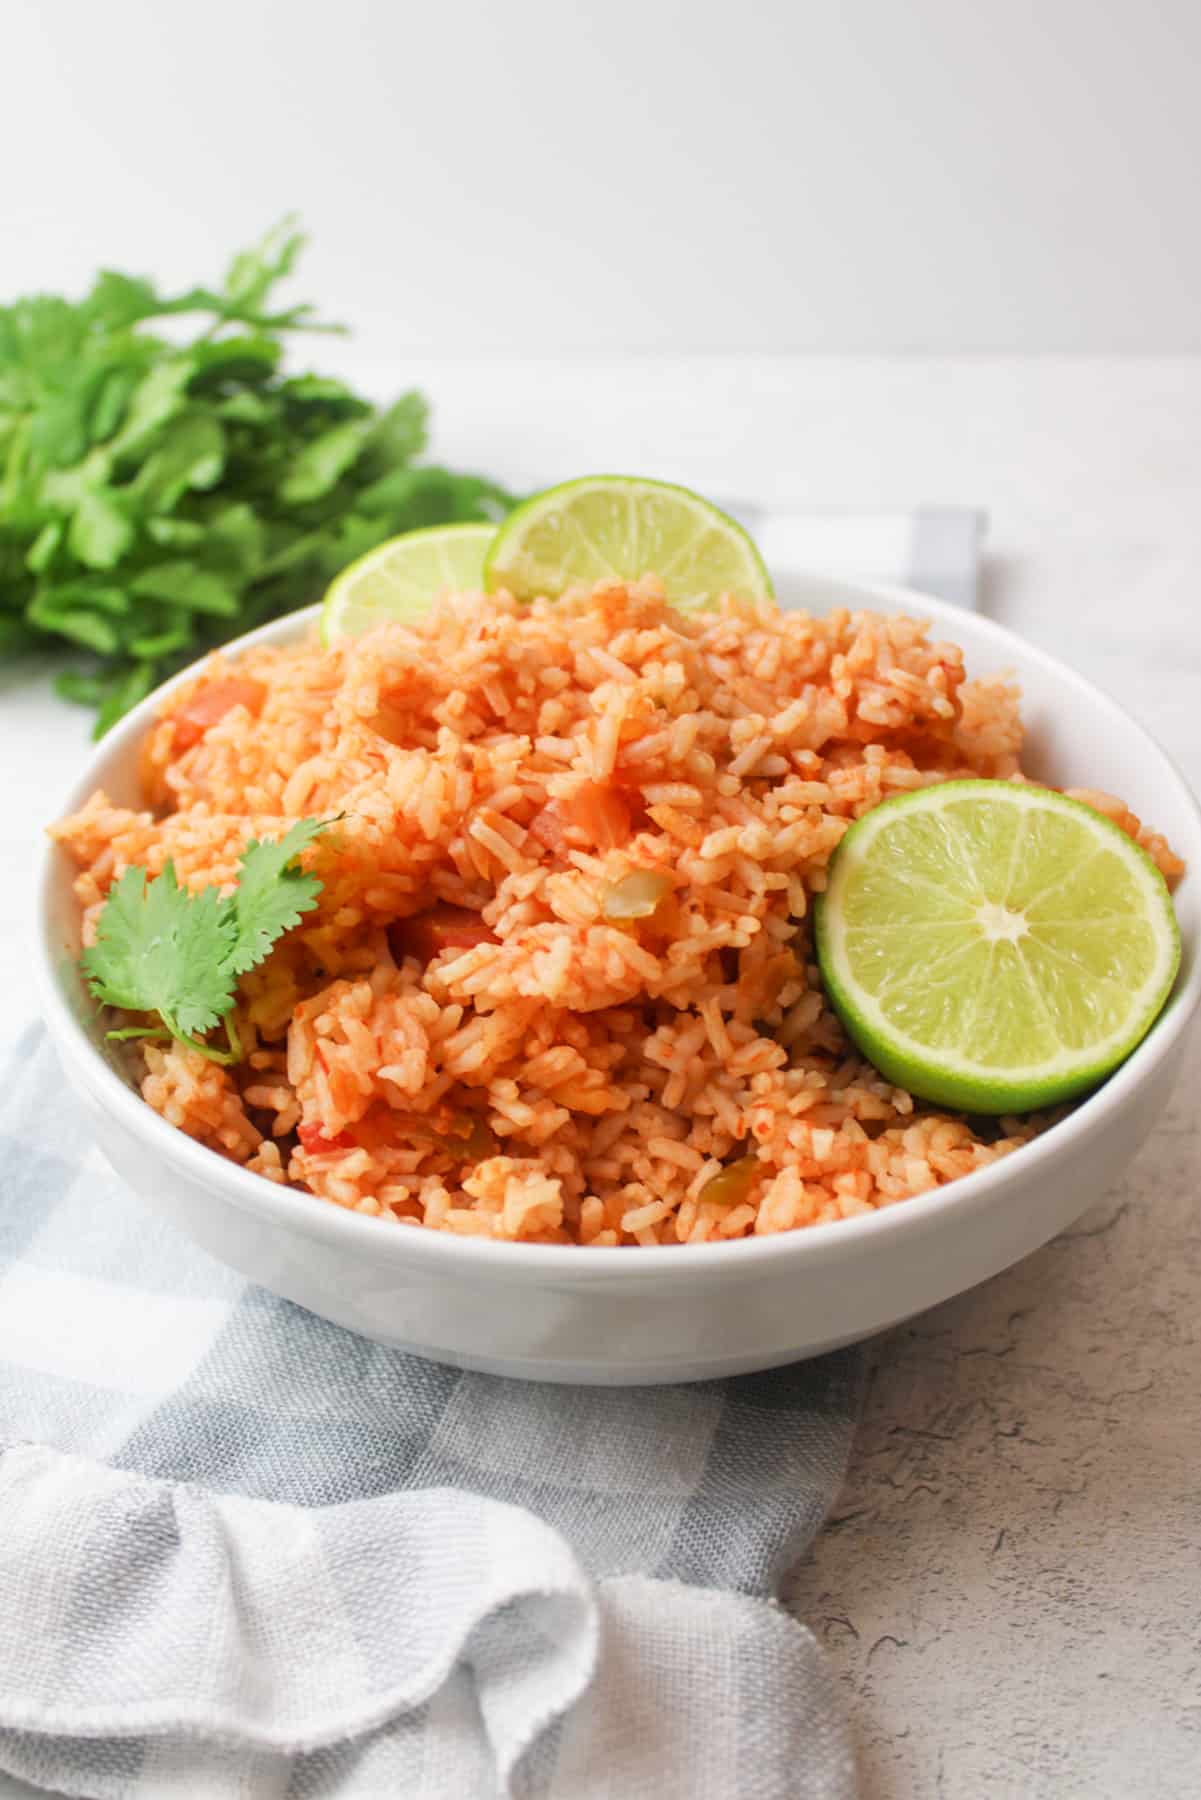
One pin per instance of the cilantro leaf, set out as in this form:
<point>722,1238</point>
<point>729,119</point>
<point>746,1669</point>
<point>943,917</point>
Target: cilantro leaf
<point>78,623</point>
<point>100,533</point>
<point>272,893</point>
<point>401,431</point>
<point>188,453</point>
<point>162,949</point>
<point>253,273</point>
<point>121,299</point>
<point>323,461</point>
<point>187,584</point>
<point>158,398</point>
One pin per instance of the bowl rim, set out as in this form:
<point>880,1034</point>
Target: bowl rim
<point>297,1210</point>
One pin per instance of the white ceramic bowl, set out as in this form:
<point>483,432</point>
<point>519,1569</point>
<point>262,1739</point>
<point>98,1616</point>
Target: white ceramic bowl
<point>555,1313</point>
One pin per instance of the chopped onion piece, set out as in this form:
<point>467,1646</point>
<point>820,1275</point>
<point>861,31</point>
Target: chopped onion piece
<point>637,895</point>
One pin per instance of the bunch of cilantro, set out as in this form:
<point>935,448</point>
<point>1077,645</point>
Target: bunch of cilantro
<point>158,497</point>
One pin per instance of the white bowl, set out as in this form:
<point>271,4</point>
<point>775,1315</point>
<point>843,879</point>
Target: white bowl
<point>558,1313</point>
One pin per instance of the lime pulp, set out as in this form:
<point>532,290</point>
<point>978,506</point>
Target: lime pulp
<point>993,946</point>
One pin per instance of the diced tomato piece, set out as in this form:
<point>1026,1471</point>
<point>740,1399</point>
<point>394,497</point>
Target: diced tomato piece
<point>316,1143</point>
<point>210,702</point>
<point>548,826</point>
<point>601,813</point>
<point>444,927</point>
<point>597,816</point>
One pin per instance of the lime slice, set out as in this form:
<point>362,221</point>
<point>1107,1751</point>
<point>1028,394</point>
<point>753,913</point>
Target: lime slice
<point>994,947</point>
<point>399,579</point>
<point>616,528</point>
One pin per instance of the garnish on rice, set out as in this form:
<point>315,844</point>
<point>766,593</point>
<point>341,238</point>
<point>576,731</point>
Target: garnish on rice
<point>163,950</point>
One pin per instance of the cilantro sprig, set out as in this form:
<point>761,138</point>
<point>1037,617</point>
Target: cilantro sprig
<point>165,950</point>
<point>159,495</point>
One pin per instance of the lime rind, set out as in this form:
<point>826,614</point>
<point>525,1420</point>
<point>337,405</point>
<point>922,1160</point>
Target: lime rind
<point>1048,1013</point>
<point>619,528</point>
<point>401,578</point>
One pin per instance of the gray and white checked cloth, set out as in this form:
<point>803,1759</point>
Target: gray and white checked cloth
<point>245,1553</point>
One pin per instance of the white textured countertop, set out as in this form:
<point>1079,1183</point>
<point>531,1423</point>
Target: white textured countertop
<point>1010,1585</point>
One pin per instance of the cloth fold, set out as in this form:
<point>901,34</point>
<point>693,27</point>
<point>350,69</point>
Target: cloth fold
<point>422,1643</point>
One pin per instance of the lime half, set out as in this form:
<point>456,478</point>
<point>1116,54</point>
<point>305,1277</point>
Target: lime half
<point>399,579</point>
<point>994,947</point>
<point>617,528</point>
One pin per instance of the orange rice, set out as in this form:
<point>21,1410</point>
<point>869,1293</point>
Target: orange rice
<point>525,1066</point>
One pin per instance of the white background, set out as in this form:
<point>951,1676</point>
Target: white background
<point>846,175</point>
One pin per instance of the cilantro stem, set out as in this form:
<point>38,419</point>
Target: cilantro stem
<point>224,1057</point>
<point>164,1035</point>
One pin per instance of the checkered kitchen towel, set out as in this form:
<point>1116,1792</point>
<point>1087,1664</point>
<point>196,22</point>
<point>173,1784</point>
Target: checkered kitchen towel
<point>246,1553</point>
